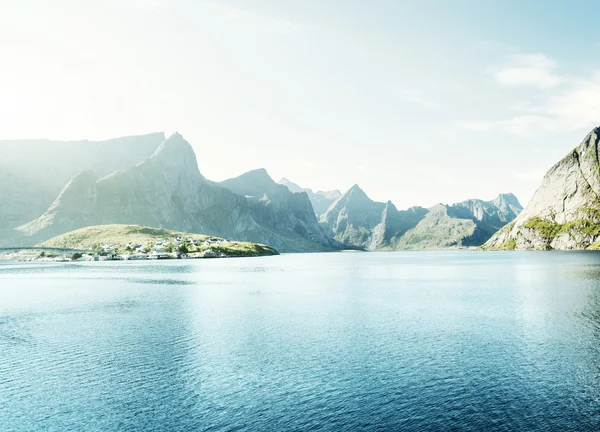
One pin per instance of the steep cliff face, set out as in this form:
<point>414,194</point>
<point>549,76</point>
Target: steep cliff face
<point>75,206</point>
<point>276,206</point>
<point>352,217</point>
<point>33,172</point>
<point>320,200</point>
<point>489,216</point>
<point>167,191</point>
<point>564,213</point>
<point>394,225</point>
<point>356,220</point>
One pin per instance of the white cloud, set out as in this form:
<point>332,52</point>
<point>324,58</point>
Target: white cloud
<point>534,70</point>
<point>574,105</point>
<point>579,106</point>
<point>417,97</point>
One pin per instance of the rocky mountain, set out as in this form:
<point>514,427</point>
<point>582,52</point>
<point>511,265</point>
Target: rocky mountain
<point>33,172</point>
<point>273,204</point>
<point>564,212</point>
<point>167,190</point>
<point>356,220</point>
<point>320,200</point>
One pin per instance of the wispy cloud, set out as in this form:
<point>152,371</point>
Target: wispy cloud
<point>573,105</point>
<point>416,96</point>
<point>533,70</point>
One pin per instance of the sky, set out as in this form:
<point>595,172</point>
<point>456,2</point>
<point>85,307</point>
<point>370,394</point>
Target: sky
<point>417,102</point>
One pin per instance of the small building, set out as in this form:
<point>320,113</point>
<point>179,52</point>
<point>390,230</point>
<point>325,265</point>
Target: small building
<point>209,253</point>
<point>136,257</point>
<point>158,255</point>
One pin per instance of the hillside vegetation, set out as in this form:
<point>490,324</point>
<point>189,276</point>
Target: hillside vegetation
<point>96,237</point>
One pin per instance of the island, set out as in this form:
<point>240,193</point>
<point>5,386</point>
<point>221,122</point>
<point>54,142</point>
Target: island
<point>134,242</point>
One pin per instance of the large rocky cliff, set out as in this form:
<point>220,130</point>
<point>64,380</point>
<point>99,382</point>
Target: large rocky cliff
<point>33,172</point>
<point>564,212</point>
<point>167,191</point>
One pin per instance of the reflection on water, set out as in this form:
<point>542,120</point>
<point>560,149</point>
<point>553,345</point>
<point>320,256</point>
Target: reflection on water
<point>400,341</point>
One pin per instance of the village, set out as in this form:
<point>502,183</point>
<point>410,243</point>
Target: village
<point>176,248</point>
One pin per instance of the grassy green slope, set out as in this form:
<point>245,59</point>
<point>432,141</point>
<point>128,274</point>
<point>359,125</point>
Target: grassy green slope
<point>120,235</point>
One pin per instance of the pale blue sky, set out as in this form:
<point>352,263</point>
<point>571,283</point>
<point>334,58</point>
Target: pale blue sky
<point>418,102</point>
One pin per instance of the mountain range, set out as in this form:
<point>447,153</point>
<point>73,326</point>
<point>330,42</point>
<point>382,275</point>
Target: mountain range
<point>167,190</point>
<point>320,200</point>
<point>356,220</point>
<point>33,172</point>
<point>152,181</point>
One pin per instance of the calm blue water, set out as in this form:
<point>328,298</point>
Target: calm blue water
<point>332,342</point>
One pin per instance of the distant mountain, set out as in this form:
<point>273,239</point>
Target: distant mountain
<point>275,205</point>
<point>564,213</point>
<point>293,187</point>
<point>356,220</point>
<point>139,181</point>
<point>320,200</point>
<point>33,172</point>
<point>167,191</point>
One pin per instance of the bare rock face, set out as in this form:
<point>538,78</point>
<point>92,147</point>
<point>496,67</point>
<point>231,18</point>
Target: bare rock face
<point>320,200</point>
<point>357,221</point>
<point>33,172</point>
<point>75,206</point>
<point>274,205</point>
<point>564,213</point>
<point>167,191</point>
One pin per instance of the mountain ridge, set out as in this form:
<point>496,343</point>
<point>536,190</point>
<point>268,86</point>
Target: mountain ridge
<point>33,172</point>
<point>320,200</point>
<point>356,220</point>
<point>167,190</point>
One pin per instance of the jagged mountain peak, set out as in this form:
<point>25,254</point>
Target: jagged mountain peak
<point>320,200</point>
<point>438,208</point>
<point>331,195</point>
<point>293,187</point>
<point>167,190</point>
<point>356,193</point>
<point>259,174</point>
<point>508,198</point>
<point>173,143</point>
<point>389,205</point>
<point>39,169</point>
<point>255,183</point>
<point>175,152</point>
